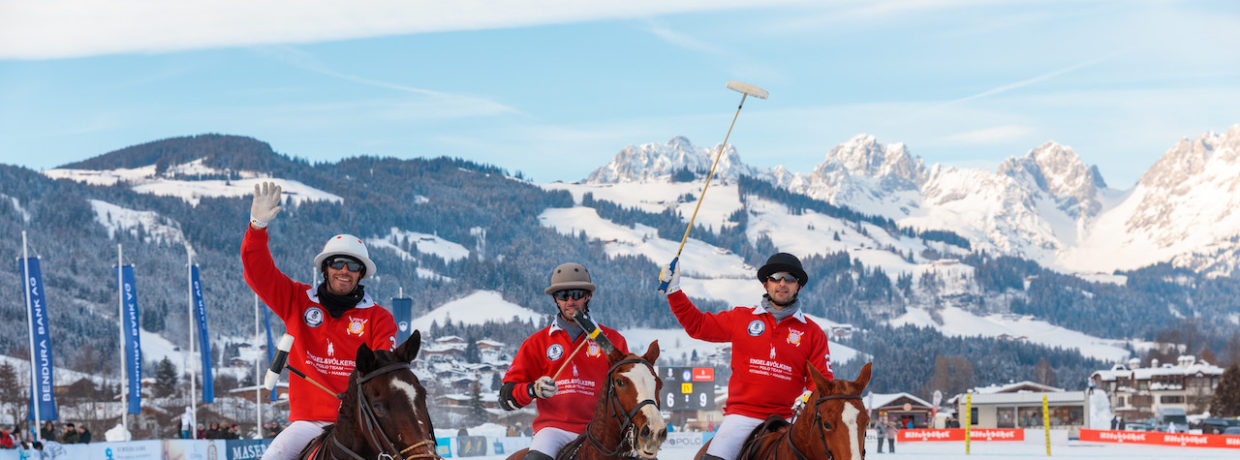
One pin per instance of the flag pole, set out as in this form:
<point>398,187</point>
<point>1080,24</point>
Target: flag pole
<point>120,296</point>
<point>193,377</point>
<point>258,369</point>
<point>34,380</point>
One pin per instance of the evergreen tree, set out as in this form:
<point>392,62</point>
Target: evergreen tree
<point>11,390</point>
<point>477,411</point>
<point>1226,401</point>
<point>165,378</point>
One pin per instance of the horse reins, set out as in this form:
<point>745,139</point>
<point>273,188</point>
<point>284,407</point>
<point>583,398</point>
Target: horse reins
<point>822,436</point>
<point>627,429</point>
<point>387,449</point>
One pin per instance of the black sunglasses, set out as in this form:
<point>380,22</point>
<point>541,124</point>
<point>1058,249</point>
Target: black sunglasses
<point>781,276</point>
<point>354,266</point>
<point>570,293</point>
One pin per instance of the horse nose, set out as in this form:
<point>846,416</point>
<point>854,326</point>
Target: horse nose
<point>645,434</point>
<point>662,435</point>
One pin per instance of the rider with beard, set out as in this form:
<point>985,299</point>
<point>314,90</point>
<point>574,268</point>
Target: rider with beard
<point>566,404</point>
<point>771,343</point>
<point>329,322</point>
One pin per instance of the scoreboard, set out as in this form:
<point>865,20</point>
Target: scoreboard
<point>687,388</point>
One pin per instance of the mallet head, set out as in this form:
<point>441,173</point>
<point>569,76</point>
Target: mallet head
<point>746,88</point>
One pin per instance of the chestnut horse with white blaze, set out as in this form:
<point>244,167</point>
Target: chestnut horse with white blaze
<point>831,426</point>
<point>627,422</point>
<point>383,411</point>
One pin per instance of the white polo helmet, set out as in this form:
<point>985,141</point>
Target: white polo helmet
<point>346,245</point>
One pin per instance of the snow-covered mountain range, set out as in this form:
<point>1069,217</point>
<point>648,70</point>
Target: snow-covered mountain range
<point>1047,205</point>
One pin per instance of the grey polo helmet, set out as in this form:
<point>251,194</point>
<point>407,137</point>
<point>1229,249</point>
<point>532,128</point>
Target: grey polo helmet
<point>570,276</point>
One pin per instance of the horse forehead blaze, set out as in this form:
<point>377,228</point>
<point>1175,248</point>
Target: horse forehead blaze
<point>849,416</point>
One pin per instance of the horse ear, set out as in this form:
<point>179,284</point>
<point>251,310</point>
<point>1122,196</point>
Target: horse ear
<point>652,352</point>
<point>365,359</point>
<point>864,378</point>
<point>820,382</point>
<point>409,350</point>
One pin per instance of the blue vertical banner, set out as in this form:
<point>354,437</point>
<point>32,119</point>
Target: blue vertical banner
<point>271,347</point>
<point>204,340</point>
<point>133,340</point>
<point>402,310</point>
<point>41,338</point>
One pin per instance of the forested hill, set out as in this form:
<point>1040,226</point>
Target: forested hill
<point>196,195</point>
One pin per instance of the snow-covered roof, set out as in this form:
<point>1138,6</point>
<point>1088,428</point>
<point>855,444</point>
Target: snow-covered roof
<point>1029,397</point>
<point>877,400</point>
<point>1024,386</point>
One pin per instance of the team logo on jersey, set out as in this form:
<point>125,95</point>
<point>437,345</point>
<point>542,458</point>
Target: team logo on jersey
<point>794,336</point>
<point>313,316</point>
<point>555,351</point>
<point>575,371</point>
<point>403,326</point>
<point>357,326</point>
<point>756,327</point>
<point>772,352</point>
<point>593,350</point>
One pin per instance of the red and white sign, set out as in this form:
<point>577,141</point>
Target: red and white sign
<point>1162,439</point>
<point>957,434</point>
<point>703,374</point>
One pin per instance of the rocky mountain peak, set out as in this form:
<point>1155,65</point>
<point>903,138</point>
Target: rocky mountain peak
<point>1057,170</point>
<point>654,161</point>
<point>1189,157</point>
<point>864,155</point>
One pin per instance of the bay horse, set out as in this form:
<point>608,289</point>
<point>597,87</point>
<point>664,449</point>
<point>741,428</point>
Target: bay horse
<point>835,431</point>
<point>626,422</point>
<point>382,412</point>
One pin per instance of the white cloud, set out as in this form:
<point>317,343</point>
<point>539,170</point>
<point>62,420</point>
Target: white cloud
<point>74,28</point>
<point>994,135</point>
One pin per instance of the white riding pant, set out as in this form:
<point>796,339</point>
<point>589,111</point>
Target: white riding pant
<point>730,437</point>
<point>293,439</point>
<point>550,440</point>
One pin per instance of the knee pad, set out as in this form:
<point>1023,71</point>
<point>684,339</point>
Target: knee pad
<point>536,455</point>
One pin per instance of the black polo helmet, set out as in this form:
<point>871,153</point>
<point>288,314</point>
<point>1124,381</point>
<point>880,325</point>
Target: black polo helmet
<point>783,262</point>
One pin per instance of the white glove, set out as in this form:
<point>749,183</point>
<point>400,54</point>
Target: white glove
<point>800,402</point>
<point>266,204</point>
<point>671,276</point>
<point>543,388</point>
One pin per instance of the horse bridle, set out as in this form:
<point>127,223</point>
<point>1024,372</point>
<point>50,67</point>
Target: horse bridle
<point>628,433</point>
<point>370,425</point>
<point>818,422</point>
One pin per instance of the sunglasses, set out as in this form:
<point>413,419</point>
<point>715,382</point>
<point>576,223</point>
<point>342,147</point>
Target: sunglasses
<point>781,276</point>
<point>570,294</point>
<point>353,265</point>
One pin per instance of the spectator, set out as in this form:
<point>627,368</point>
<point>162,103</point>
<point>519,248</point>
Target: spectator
<point>880,432</point>
<point>235,433</point>
<point>892,430</point>
<point>187,422</point>
<point>6,440</point>
<point>83,435</point>
<point>462,432</point>
<point>202,434</point>
<point>48,433</point>
<point>70,436</point>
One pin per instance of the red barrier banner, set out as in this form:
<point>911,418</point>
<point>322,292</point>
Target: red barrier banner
<point>957,434</point>
<point>1162,439</point>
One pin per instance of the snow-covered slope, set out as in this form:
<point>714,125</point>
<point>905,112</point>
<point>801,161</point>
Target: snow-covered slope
<point>146,180</point>
<point>478,307</point>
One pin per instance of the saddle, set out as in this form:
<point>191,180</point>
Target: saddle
<point>772,425</point>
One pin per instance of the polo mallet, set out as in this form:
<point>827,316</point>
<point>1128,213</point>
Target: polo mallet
<point>592,332</point>
<point>746,90</point>
<point>280,362</point>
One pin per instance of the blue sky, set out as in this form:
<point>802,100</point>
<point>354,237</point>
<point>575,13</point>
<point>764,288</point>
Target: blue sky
<point>554,88</point>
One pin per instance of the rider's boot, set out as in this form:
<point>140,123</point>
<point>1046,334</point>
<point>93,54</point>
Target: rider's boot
<point>536,455</point>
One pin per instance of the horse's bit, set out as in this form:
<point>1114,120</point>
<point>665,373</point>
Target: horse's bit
<point>628,432</point>
<point>387,449</point>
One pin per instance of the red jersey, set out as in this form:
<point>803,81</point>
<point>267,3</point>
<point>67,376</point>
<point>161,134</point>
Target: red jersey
<point>768,359</point>
<point>324,347</point>
<point>577,388</point>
